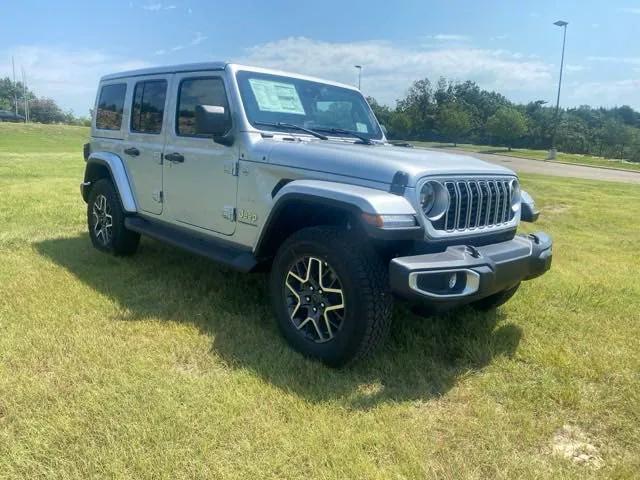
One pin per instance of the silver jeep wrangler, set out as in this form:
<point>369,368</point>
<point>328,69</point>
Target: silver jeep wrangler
<point>265,170</point>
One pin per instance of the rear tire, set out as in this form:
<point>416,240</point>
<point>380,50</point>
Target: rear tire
<point>335,272</point>
<point>495,300</point>
<point>105,220</point>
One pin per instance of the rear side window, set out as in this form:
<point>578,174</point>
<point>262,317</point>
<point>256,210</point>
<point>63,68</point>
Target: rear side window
<point>193,92</point>
<point>110,106</point>
<point>147,111</point>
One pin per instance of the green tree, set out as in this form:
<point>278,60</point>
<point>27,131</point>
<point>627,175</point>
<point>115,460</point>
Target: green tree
<point>453,122</point>
<point>45,110</point>
<point>507,125</point>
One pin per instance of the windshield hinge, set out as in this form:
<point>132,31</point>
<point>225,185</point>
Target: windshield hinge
<point>232,167</point>
<point>229,213</point>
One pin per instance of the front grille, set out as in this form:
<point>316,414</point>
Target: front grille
<point>476,204</point>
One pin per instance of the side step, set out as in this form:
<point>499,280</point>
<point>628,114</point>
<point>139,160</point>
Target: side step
<point>217,250</point>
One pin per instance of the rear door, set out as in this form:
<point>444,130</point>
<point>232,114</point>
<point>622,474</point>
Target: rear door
<point>200,183</point>
<point>145,139</point>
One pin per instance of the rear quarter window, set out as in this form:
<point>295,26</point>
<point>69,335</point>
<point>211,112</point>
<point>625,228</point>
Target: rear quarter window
<point>110,107</point>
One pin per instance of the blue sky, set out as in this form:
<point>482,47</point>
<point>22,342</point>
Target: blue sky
<point>509,46</point>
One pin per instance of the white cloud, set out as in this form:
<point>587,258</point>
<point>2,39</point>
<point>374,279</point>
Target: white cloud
<point>156,7</point>
<point>633,10</point>
<point>198,38</point>
<point>611,59</point>
<point>607,93</point>
<point>70,76</point>
<point>449,37</point>
<point>388,69</point>
<point>575,68</point>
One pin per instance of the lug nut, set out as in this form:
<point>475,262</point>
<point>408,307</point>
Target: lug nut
<point>308,298</point>
<point>315,309</point>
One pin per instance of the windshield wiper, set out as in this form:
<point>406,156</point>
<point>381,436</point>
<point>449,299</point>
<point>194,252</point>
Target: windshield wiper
<point>365,140</point>
<point>292,126</point>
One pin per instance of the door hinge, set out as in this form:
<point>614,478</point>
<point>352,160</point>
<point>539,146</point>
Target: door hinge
<point>158,196</point>
<point>232,167</point>
<point>229,213</point>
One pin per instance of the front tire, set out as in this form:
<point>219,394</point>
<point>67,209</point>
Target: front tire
<point>494,301</point>
<point>105,220</point>
<point>330,292</point>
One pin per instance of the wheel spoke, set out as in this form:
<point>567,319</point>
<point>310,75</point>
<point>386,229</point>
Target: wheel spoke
<point>295,294</point>
<point>315,298</point>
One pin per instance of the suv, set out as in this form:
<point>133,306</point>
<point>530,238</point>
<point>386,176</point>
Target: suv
<point>262,170</point>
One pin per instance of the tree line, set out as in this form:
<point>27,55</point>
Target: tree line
<point>463,112</point>
<point>41,109</point>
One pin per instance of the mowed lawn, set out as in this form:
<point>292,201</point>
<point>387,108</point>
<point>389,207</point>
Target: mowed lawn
<point>164,365</point>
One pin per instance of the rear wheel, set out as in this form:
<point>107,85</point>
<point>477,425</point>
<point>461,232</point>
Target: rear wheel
<point>105,220</point>
<point>330,294</point>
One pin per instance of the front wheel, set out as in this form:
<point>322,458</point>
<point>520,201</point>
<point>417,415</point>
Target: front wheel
<point>331,296</point>
<point>494,301</point>
<point>105,220</point>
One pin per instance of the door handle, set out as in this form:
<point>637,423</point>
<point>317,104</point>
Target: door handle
<point>174,157</point>
<point>133,151</point>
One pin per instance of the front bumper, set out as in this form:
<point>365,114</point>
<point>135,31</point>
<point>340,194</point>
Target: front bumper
<point>463,274</point>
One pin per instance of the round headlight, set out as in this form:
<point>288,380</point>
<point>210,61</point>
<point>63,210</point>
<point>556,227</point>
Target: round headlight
<point>434,199</point>
<point>514,188</point>
<point>427,197</point>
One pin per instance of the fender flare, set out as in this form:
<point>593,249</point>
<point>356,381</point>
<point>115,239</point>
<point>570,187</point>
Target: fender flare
<point>352,198</point>
<point>118,173</point>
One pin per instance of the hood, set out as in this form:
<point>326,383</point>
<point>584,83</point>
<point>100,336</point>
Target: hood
<point>377,162</point>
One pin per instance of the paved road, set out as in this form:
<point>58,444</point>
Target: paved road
<point>556,169</point>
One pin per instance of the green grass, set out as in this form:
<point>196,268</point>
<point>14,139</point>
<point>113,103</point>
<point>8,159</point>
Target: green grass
<point>166,366</point>
<point>539,155</point>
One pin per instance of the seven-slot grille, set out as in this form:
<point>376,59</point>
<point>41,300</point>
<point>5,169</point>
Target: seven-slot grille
<point>476,204</point>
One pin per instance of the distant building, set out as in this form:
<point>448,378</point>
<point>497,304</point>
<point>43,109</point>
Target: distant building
<point>7,116</point>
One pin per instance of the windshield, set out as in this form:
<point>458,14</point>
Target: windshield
<point>316,106</point>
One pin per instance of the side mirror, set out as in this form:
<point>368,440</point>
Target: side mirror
<point>215,121</point>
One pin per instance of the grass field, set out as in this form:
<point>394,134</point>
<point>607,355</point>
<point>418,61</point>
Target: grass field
<point>166,366</point>
<point>539,155</point>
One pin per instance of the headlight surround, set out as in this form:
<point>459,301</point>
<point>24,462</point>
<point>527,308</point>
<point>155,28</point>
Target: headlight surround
<point>516,194</point>
<point>434,199</point>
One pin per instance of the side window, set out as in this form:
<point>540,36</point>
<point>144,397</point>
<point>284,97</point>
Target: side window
<point>193,92</point>
<point>147,111</point>
<point>110,106</point>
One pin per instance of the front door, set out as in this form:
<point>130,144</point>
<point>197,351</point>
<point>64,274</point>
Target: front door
<point>199,182</point>
<point>145,138</point>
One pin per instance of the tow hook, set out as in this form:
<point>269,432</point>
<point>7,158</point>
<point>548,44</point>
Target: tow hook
<point>473,251</point>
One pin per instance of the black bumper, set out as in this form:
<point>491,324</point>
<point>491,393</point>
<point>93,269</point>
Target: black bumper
<point>463,274</point>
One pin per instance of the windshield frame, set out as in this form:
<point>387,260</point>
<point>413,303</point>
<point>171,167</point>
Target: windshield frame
<point>242,75</point>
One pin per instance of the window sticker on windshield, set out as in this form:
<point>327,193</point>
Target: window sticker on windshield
<point>362,127</point>
<point>276,97</point>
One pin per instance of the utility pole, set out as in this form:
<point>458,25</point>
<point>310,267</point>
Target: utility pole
<point>15,86</point>
<point>26,99</point>
<point>553,151</point>
<point>359,67</point>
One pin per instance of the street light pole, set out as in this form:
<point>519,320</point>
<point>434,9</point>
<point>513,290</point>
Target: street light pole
<point>359,67</point>
<point>553,151</point>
